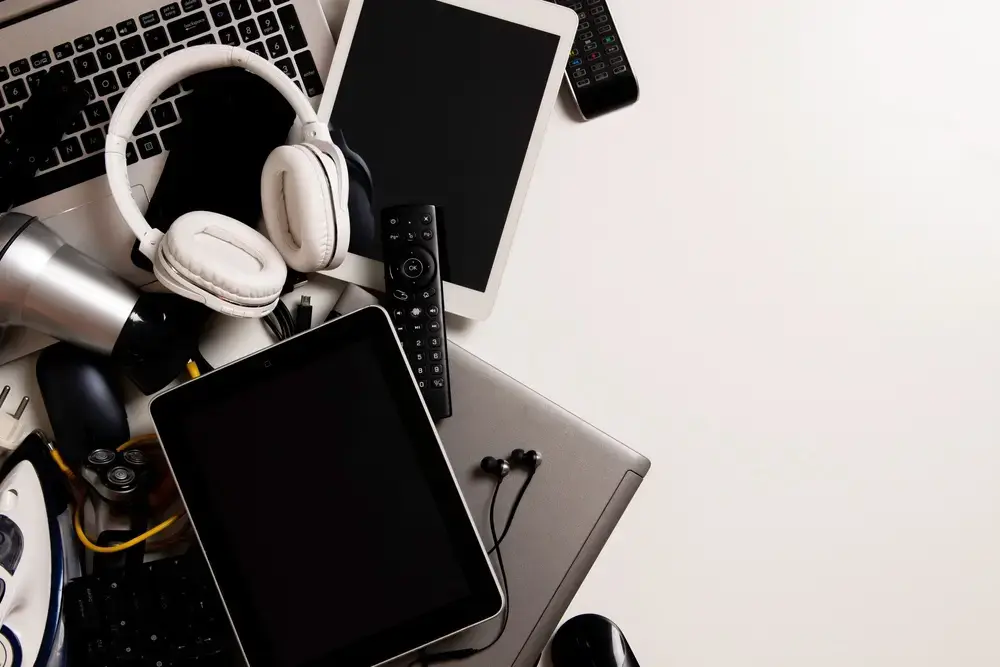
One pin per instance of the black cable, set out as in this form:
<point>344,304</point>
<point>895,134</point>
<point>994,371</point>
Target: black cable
<point>513,512</point>
<point>461,654</point>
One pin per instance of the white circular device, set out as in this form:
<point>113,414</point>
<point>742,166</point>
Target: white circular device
<point>217,260</point>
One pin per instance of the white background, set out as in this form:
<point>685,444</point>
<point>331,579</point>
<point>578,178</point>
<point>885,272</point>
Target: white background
<point>778,276</point>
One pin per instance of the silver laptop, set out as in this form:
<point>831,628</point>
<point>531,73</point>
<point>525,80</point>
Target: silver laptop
<point>107,43</point>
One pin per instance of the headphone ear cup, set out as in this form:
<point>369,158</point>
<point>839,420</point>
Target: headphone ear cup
<point>207,254</point>
<point>528,459</point>
<point>499,468</point>
<point>301,191</point>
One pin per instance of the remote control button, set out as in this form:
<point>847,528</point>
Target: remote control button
<point>596,55</point>
<point>400,330</point>
<point>602,76</point>
<point>575,62</point>
<point>412,268</point>
<point>613,49</point>
<point>417,329</point>
<point>578,72</point>
<point>428,293</point>
<point>434,341</point>
<point>621,69</point>
<point>433,311</point>
<point>433,326</point>
<point>590,47</point>
<point>617,59</point>
<point>427,235</point>
<point>597,10</point>
<point>437,369</point>
<point>426,218</point>
<point>401,295</point>
<point>420,383</point>
<point>420,371</point>
<point>586,35</point>
<point>418,357</point>
<point>603,29</point>
<point>583,25</point>
<point>411,236</point>
<point>418,344</point>
<point>601,19</point>
<point>437,355</point>
<point>393,222</point>
<point>610,39</point>
<point>582,83</point>
<point>598,67</point>
<point>395,236</point>
<point>574,52</point>
<point>398,313</point>
<point>438,383</point>
<point>416,312</point>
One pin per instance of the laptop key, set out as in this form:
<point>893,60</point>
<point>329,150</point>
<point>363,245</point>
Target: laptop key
<point>149,60</point>
<point>130,154</point>
<point>190,5</point>
<point>149,19</point>
<point>229,36</point>
<point>49,160</point>
<point>149,146</point>
<point>41,59</point>
<point>70,149</point>
<point>155,39</point>
<point>268,23</point>
<point>276,47</point>
<point>248,31</point>
<point>184,29</point>
<point>97,113</point>
<point>128,73</point>
<point>19,67</point>
<point>15,91</point>
<point>285,65</point>
<point>114,100</point>
<point>220,15</point>
<point>106,83</point>
<point>85,65</point>
<point>93,140</point>
<point>170,11</point>
<point>293,29</point>
<point>260,5</point>
<point>144,126</point>
<point>78,125</point>
<point>105,35</point>
<point>34,80</point>
<point>163,114</point>
<point>4,74</point>
<point>241,8</point>
<point>310,77</point>
<point>63,51</point>
<point>84,43</point>
<point>204,39</point>
<point>89,87</point>
<point>126,27</point>
<point>132,48</point>
<point>109,56</point>
<point>258,49</point>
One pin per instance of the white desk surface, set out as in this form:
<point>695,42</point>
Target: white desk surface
<point>784,290</point>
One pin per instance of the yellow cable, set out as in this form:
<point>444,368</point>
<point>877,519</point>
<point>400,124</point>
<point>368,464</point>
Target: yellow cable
<point>82,536</point>
<point>193,370</point>
<point>78,524</point>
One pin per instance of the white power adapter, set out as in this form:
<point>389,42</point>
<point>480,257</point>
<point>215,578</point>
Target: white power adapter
<point>11,428</point>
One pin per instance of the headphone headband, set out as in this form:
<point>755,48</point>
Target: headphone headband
<point>160,76</point>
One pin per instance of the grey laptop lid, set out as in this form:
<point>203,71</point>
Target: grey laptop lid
<point>581,490</point>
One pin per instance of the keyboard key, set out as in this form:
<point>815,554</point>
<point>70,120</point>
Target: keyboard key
<point>128,73</point>
<point>63,51</point>
<point>70,149</point>
<point>248,31</point>
<point>105,35</point>
<point>280,2</point>
<point>149,19</point>
<point>34,80</point>
<point>149,60</point>
<point>241,8</point>
<point>229,36</point>
<point>49,159</point>
<point>130,156</point>
<point>169,137</point>
<point>63,71</point>
<point>126,28</point>
<point>149,146</point>
<point>173,49</point>
<point>106,83</point>
<point>132,47</point>
<point>220,15</point>
<point>293,29</point>
<point>206,39</point>
<point>109,56</point>
<point>40,60</point>
<point>85,65</point>
<point>78,125</point>
<point>164,114</point>
<point>93,140</point>
<point>190,5</point>
<point>285,65</point>
<point>260,5</point>
<point>310,77</point>
<point>268,23</point>
<point>258,49</point>
<point>19,67</point>
<point>7,117</point>
<point>155,39</point>
<point>276,48</point>
<point>184,29</point>
<point>15,91</point>
<point>144,126</point>
<point>89,87</point>
<point>170,11</point>
<point>4,74</point>
<point>84,43</point>
<point>114,100</point>
<point>97,113</point>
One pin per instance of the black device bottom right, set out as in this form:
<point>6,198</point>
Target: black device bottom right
<point>590,640</point>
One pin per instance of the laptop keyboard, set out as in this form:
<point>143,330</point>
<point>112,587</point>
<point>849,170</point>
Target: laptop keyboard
<point>109,60</point>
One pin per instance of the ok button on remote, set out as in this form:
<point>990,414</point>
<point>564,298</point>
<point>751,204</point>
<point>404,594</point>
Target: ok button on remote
<point>413,268</point>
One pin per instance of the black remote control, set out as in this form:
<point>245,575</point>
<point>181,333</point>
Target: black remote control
<point>598,72</point>
<point>415,300</point>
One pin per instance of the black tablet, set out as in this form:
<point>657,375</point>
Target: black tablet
<point>323,500</point>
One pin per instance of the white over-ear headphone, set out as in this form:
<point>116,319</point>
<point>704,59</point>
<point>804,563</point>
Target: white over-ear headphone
<point>217,260</point>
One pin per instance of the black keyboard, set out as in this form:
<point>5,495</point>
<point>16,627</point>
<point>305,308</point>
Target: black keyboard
<point>166,613</point>
<point>108,60</point>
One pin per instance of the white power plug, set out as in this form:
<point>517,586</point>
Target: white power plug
<point>11,428</point>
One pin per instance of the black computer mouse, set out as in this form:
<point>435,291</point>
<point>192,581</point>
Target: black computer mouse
<point>83,398</point>
<point>590,640</point>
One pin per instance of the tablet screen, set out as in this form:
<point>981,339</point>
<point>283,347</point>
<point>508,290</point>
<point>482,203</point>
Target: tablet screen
<point>441,101</point>
<point>334,515</point>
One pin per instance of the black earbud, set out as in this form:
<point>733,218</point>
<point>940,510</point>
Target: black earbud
<point>499,468</point>
<point>526,459</point>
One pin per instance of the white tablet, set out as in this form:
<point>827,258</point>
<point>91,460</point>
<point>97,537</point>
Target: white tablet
<point>447,102</point>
